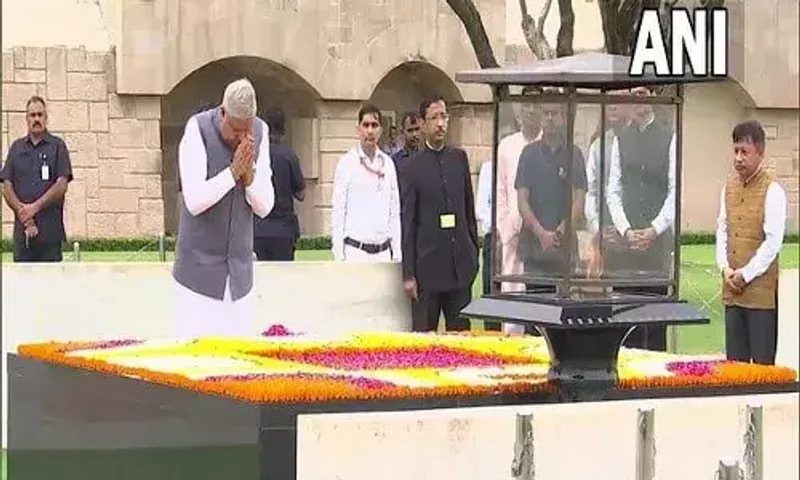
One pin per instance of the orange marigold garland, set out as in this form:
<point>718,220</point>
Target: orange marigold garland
<point>376,366</point>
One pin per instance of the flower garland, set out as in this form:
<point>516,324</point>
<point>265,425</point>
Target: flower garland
<point>282,367</point>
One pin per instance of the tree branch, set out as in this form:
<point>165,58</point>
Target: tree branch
<point>534,31</point>
<point>566,32</point>
<point>523,8</point>
<point>473,24</point>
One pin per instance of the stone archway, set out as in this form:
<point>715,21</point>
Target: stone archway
<point>275,84</point>
<point>406,85</point>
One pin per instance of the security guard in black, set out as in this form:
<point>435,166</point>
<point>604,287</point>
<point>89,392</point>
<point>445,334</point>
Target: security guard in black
<point>35,177</point>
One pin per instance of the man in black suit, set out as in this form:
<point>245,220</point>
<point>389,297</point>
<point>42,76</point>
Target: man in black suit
<point>440,232</point>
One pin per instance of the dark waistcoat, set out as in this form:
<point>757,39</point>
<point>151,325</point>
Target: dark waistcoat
<point>644,162</point>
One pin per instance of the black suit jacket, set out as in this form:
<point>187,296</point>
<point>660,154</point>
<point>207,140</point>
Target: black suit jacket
<point>436,184</point>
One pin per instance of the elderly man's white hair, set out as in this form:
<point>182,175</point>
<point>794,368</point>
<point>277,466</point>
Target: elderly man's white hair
<point>239,99</point>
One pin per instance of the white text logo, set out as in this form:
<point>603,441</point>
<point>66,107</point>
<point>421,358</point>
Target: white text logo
<point>699,43</point>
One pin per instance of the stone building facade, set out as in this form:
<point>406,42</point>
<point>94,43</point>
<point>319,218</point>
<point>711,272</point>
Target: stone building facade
<point>121,102</point>
<point>130,72</point>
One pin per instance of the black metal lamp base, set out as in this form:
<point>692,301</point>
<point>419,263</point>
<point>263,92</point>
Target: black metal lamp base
<point>583,363</point>
<point>584,338</point>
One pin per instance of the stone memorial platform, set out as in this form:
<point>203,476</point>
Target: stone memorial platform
<point>178,430</point>
<point>234,407</point>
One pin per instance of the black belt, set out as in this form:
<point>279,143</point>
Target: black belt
<point>371,248</point>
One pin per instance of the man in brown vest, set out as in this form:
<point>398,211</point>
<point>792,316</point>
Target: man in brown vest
<point>752,219</point>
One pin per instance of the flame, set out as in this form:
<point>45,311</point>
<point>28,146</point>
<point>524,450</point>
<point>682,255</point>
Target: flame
<point>595,266</point>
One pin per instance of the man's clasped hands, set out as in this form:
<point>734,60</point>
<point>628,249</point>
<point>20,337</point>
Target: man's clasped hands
<point>243,165</point>
<point>734,279</point>
<point>641,239</point>
<point>27,212</point>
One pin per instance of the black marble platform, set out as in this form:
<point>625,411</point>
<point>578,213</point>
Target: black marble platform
<point>72,424</point>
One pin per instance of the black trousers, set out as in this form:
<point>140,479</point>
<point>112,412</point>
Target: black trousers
<point>648,338</point>
<point>37,251</point>
<point>426,310</point>
<point>274,249</point>
<point>486,274</point>
<point>751,335</point>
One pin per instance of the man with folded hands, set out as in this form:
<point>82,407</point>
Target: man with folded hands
<point>751,225</point>
<point>225,177</point>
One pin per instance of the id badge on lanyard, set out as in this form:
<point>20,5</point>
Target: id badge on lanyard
<point>45,168</point>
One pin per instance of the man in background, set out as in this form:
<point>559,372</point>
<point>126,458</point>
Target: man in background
<point>598,219</point>
<point>641,202</point>
<point>440,233</point>
<point>35,178</point>
<point>543,184</point>
<point>483,213</point>
<point>410,134</point>
<point>225,177</point>
<point>509,221</point>
<point>365,218</point>
<point>750,229</point>
<point>276,235</point>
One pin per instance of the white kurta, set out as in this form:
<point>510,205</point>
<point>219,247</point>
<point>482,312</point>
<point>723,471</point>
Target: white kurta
<point>509,221</point>
<point>483,201</point>
<point>196,314</point>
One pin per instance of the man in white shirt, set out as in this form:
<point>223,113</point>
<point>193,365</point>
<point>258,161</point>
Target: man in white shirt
<point>617,118</point>
<point>750,229</point>
<point>596,209</point>
<point>483,213</point>
<point>225,177</point>
<point>365,218</point>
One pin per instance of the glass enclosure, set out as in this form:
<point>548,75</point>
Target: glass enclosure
<point>585,193</point>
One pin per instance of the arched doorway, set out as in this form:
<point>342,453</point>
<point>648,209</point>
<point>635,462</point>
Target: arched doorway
<point>275,84</point>
<point>406,85</point>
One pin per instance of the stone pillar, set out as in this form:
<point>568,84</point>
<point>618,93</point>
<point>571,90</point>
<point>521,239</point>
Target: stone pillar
<point>782,129</point>
<point>303,136</point>
<point>170,139</point>
<point>337,125</point>
<point>471,128</point>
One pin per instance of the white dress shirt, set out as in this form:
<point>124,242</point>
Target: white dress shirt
<point>666,216</point>
<point>198,315</point>
<point>483,203</point>
<point>592,204</point>
<point>366,206</point>
<point>774,228</point>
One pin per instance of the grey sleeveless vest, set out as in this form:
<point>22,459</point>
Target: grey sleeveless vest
<point>217,244</point>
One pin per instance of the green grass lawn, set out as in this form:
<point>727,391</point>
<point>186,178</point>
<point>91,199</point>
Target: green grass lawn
<point>700,285</point>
